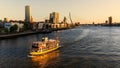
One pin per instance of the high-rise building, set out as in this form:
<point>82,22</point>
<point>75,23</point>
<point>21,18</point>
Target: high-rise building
<point>110,20</point>
<point>106,22</point>
<point>28,16</point>
<point>65,20</point>
<point>54,17</point>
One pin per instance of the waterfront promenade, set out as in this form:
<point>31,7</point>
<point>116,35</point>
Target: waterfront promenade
<point>11,35</point>
<point>17,34</point>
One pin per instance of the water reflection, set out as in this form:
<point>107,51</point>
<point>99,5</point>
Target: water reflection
<point>46,59</point>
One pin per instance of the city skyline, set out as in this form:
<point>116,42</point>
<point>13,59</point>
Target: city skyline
<point>84,11</point>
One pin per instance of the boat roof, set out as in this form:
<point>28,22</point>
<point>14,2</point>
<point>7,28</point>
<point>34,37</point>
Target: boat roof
<point>37,42</point>
<point>50,40</point>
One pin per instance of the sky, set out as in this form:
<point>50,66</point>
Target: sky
<point>83,11</point>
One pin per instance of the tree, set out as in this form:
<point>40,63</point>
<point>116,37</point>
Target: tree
<point>14,28</point>
<point>27,26</point>
<point>6,30</point>
<point>0,30</point>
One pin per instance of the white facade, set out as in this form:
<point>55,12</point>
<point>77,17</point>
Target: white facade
<point>8,25</point>
<point>40,25</point>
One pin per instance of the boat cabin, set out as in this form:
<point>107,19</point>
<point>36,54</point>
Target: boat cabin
<point>44,39</point>
<point>36,44</point>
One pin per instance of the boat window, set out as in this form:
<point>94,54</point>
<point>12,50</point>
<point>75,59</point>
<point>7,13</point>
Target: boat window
<point>35,45</point>
<point>43,39</point>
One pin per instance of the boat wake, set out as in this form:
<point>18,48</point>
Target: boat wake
<point>30,56</point>
<point>81,34</point>
<point>84,34</point>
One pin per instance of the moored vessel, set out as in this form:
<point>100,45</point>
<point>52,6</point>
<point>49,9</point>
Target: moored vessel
<point>44,46</point>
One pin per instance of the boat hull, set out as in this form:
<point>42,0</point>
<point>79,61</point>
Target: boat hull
<point>44,52</point>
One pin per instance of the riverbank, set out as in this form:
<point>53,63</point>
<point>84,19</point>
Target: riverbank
<point>30,32</point>
<point>12,35</point>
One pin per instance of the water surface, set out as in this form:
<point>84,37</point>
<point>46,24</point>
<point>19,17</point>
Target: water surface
<point>82,47</point>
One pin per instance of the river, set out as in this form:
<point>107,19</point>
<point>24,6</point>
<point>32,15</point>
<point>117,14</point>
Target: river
<point>81,47</point>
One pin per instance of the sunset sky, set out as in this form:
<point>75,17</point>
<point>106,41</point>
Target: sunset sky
<point>84,11</point>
